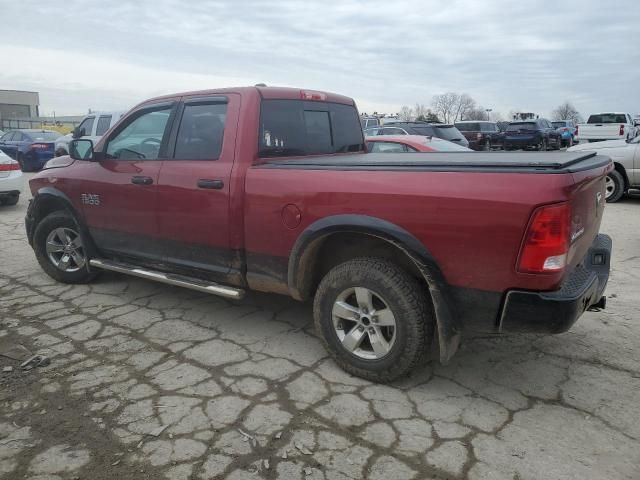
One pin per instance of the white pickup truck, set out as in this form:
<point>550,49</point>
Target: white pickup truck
<point>607,126</point>
<point>92,127</point>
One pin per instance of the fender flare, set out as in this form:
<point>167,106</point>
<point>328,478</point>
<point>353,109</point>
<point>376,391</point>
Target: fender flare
<point>42,195</point>
<point>449,332</point>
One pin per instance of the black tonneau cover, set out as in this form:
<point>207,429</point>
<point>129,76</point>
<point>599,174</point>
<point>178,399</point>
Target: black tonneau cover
<point>518,162</point>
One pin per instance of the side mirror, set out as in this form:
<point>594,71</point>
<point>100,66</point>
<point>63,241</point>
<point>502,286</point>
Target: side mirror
<point>81,149</point>
<point>76,133</point>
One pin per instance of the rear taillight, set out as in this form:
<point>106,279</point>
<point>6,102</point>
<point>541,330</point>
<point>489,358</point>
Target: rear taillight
<point>41,146</point>
<point>621,131</point>
<point>9,167</point>
<point>546,243</point>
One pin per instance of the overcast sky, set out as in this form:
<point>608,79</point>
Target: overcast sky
<point>526,55</point>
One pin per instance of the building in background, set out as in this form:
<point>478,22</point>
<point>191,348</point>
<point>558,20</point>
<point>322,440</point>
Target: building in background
<point>16,104</point>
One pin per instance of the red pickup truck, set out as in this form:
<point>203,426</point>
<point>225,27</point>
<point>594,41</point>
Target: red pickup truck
<point>271,189</point>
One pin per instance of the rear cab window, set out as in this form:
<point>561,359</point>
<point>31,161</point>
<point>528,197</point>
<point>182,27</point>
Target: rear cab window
<point>607,118</point>
<point>300,127</point>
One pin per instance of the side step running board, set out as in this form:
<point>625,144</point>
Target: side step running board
<point>169,278</point>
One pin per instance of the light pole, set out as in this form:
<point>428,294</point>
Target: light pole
<point>488,110</point>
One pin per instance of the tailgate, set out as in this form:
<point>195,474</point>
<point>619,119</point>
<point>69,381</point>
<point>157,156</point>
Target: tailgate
<point>599,130</point>
<point>587,200</point>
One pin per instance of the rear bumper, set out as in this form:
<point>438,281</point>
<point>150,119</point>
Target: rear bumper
<point>556,312</point>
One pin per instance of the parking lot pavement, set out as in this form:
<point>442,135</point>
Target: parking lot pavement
<point>149,381</point>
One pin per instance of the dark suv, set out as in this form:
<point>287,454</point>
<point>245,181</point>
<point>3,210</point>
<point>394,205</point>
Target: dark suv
<point>440,130</point>
<point>481,135</point>
<point>538,134</point>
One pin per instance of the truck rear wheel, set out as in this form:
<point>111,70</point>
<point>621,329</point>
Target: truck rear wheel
<point>60,249</point>
<point>614,186</point>
<point>374,318</point>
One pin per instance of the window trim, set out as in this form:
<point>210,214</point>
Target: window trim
<point>177,120</point>
<point>147,108</point>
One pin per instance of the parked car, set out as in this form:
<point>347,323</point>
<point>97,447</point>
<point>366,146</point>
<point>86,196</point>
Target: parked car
<point>411,143</point>
<point>271,189</point>
<point>607,126</point>
<point>440,130</point>
<point>481,135</point>
<point>538,134</point>
<point>368,122</point>
<point>567,131</point>
<point>31,148</point>
<point>10,180</point>
<point>93,126</point>
<point>626,160</point>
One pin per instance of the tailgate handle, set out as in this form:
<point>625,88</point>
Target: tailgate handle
<point>141,180</point>
<point>210,184</point>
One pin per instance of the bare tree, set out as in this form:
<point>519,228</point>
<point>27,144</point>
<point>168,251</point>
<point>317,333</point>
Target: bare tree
<point>405,114</point>
<point>567,111</point>
<point>452,106</point>
<point>444,105</point>
<point>420,111</point>
<point>476,114</point>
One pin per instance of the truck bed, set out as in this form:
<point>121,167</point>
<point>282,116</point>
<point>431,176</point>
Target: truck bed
<point>519,162</point>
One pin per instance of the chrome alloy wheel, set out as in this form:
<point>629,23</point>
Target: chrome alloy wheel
<point>364,323</point>
<point>65,250</point>
<point>609,186</point>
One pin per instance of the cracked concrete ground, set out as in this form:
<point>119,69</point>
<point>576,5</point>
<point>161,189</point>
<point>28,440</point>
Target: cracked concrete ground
<point>150,381</point>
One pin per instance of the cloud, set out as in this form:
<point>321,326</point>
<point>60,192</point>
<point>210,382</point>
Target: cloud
<point>507,55</point>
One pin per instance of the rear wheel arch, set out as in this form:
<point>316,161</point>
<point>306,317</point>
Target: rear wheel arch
<point>333,240</point>
<point>620,168</point>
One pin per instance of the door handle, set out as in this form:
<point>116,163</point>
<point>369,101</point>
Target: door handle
<point>210,184</point>
<point>141,180</point>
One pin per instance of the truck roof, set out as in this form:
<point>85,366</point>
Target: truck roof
<point>284,93</point>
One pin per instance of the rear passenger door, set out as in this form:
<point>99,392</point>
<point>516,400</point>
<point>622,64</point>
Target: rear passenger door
<point>195,184</point>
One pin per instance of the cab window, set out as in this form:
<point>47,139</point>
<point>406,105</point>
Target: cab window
<point>103,125</point>
<point>141,137</point>
<point>86,126</point>
<point>201,132</point>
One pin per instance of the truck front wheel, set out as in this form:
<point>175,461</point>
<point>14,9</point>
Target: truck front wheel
<point>374,318</point>
<point>60,249</point>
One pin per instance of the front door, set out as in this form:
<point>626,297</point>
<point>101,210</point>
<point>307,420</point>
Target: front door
<point>119,192</point>
<point>195,183</point>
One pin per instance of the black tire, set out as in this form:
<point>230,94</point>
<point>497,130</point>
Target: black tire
<point>20,161</point>
<point>618,186</point>
<point>55,220</point>
<point>406,299</point>
<point>542,146</point>
<point>558,143</point>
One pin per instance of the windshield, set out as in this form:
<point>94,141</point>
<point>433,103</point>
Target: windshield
<point>426,131</point>
<point>515,127</point>
<point>468,127</point>
<point>559,124</point>
<point>608,118</point>
<point>449,133</point>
